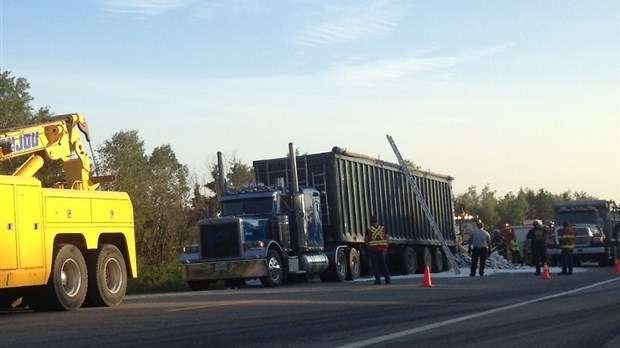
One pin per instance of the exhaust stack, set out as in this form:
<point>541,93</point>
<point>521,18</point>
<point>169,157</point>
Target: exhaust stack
<point>301,238</point>
<point>221,182</point>
<point>293,162</point>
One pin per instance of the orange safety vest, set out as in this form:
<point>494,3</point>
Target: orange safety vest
<point>378,236</point>
<point>566,238</point>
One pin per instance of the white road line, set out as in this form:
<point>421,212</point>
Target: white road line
<point>395,335</point>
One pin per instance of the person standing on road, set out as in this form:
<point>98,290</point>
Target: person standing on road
<point>480,241</point>
<point>566,239</point>
<point>515,247</point>
<point>537,237</point>
<point>377,246</point>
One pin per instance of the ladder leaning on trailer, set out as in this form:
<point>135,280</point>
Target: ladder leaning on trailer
<point>424,206</point>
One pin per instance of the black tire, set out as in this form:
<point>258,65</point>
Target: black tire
<point>337,270</point>
<point>275,271</point>
<point>437,260</point>
<point>198,285</point>
<point>355,265</point>
<point>427,258</point>
<point>107,283</point>
<point>409,264</point>
<point>66,289</point>
<point>341,266</point>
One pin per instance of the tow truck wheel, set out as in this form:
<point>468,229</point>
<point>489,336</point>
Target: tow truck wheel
<point>355,265</point>
<point>66,289</point>
<point>107,283</point>
<point>275,272</point>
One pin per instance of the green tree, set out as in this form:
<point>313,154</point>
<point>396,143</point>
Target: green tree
<point>169,196</point>
<point>238,173</point>
<point>16,111</point>
<point>124,157</point>
<point>512,209</point>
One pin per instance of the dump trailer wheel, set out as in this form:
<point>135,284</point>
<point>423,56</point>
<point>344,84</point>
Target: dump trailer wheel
<point>355,265</point>
<point>275,271</point>
<point>427,258</point>
<point>409,264</point>
<point>341,265</point>
<point>437,260</point>
<point>198,285</point>
<point>107,282</point>
<point>68,282</point>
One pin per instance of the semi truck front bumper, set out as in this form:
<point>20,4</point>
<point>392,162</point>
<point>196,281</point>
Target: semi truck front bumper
<point>214,270</point>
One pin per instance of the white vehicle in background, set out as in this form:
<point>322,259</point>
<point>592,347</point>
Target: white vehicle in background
<point>589,245</point>
<point>597,224</point>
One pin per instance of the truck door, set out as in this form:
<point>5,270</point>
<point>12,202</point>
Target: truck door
<point>30,231</point>
<point>8,237</point>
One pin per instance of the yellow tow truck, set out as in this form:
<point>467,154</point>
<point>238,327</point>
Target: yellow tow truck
<point>67,245</point>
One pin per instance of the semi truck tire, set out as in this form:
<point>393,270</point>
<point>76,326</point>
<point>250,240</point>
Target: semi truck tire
<point>107,281</point>
<point>355,265</point>
<point>437,260</point>
<point>427,258</point>
<point>409,261</point>
<point>68,282</point>
<point>275,272</point>
<point>338,268</point>
<point>341,266</point>
<point>198,285</point>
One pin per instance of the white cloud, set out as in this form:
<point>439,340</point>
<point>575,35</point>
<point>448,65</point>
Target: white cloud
<point>369,73</point>
<point>391,69</point>
<point>144,7</point>
<point>349,23</point>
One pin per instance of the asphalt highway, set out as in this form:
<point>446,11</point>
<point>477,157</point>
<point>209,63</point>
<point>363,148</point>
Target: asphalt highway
<point>507,310</point>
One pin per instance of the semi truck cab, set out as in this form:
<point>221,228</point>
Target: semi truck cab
<point>262,232</point>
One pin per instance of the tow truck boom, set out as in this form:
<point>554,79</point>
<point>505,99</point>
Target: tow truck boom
<point>57,139</point>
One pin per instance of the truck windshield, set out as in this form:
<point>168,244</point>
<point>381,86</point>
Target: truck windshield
<point>574,217</point>
<point>263,205</point>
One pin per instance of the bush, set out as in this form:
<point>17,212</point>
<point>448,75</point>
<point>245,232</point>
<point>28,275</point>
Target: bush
<point>162,277</point>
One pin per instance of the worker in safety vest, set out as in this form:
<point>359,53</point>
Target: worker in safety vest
<point>566,239</point>
<point>515,246</point>
<point>377,246</point>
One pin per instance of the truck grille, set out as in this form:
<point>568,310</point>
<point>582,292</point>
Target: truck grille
<point>220,238</point>
<point>582,241</point>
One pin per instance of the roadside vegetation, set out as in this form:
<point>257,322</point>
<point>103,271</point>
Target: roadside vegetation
<point>168,199</point>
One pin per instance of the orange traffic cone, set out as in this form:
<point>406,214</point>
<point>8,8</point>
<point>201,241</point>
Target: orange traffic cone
<point>618,266</point>
<point>546,274</point>
<point>427,278</point>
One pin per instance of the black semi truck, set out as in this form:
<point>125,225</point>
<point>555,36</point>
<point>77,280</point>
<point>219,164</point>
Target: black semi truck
<point>307,215</point>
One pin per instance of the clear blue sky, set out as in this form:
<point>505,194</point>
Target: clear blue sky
<point>512,93</point>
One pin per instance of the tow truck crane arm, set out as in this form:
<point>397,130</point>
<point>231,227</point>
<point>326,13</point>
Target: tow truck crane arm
<point>57,139</point>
